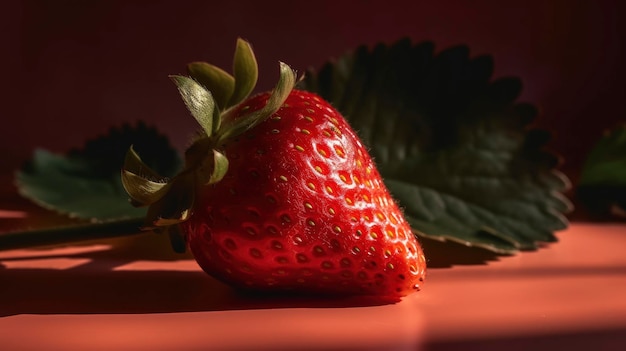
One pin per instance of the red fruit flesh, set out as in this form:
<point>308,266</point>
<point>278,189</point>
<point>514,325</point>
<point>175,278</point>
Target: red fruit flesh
<point>303,207</point>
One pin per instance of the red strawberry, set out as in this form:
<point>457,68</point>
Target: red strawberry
<point>288,199</point>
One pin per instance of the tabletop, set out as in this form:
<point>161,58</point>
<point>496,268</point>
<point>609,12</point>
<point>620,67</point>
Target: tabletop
<point>133,294</point>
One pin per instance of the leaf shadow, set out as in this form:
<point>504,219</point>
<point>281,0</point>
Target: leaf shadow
<point>446,254</point>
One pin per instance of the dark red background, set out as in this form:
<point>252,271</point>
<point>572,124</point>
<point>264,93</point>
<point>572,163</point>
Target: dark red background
<point>73,68</point>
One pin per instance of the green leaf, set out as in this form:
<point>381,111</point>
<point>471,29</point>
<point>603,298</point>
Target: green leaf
<point>286,82</point>
<point>215,80</point>
<point>452,145</point>
<point>220,167</point>
<point>602,185</point>
<point>134,164</point>
<point>86,182</point>
<point>143,185</point>
<point>199,102</point>
<point>246,73</point>
<point>141,190</point>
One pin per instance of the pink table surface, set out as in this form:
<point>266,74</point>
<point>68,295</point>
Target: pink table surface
<point>132,294</point>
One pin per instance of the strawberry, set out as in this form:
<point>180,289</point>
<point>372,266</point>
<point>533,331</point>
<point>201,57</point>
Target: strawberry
<point>278,192</point>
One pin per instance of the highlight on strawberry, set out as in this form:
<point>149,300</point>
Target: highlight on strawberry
<point>277,192</point>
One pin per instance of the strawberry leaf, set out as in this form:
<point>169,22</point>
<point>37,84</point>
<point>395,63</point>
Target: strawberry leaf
<point>86,183</point>
<point>143,185</point>
<point>452,145</point>
<point>220,167</point>
<point>199,102</point>
<point>602,186</point>
<point>245,70</point>
<point>142,191</point>
<point>214,79</point>
<point>237,126</point>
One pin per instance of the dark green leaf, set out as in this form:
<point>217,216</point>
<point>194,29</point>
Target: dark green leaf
<point>452,146</point>
<point>86,183</point>
<point>602,186</point>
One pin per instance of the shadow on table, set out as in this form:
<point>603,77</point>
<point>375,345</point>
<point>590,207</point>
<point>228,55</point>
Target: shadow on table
<point>49,291</point>
<point>605,340</point>
<point>96,287</point>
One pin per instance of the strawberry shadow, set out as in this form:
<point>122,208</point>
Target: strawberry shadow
<point>97,287</point>
<point>46,291</point>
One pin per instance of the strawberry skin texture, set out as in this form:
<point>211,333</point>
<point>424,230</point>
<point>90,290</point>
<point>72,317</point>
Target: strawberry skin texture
<point>302,207</point>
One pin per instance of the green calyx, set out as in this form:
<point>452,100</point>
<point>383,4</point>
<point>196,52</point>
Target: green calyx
<point>211,96</point>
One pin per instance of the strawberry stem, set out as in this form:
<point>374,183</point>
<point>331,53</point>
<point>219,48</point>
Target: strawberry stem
<point>70,233</point>
<point>170,202</point>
